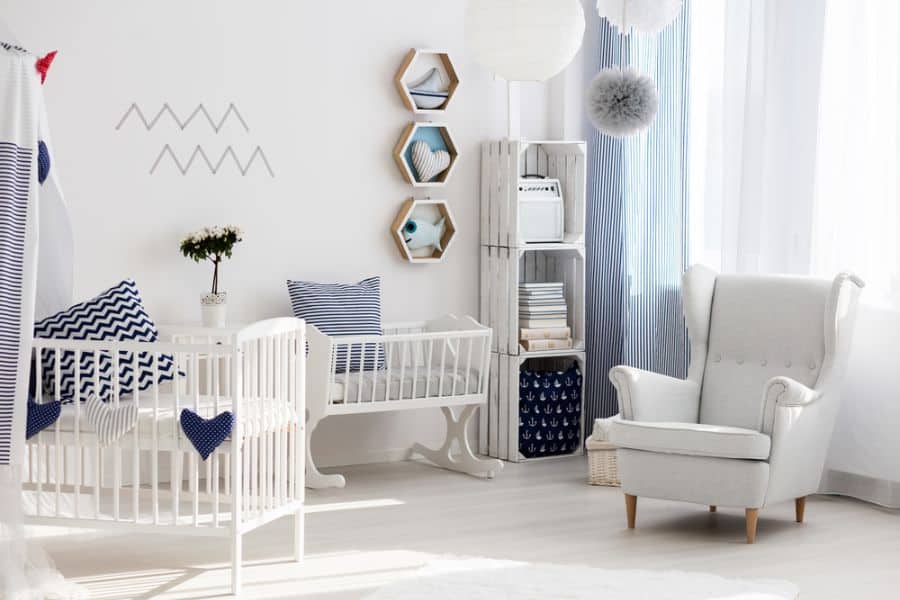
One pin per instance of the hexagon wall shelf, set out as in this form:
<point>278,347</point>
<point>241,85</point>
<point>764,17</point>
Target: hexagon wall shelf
<point>431,211</point>
<point>417,63</point>
<point>438,137</point>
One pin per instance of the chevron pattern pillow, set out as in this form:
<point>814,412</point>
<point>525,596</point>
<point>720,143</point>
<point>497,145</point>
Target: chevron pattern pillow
<point>115,315</point>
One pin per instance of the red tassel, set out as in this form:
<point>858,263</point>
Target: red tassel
<point>43,64</point>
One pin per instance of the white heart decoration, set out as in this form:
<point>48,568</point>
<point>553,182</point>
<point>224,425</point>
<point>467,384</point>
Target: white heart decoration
<point>109,423</point>
<point>429,163</point>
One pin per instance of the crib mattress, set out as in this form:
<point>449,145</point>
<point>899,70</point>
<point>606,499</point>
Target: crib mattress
<point>425,386</point>
<point>168,419</point>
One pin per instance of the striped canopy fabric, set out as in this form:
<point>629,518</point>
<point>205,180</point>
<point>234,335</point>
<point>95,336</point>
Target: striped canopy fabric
<point>637,226</point>
<point>19,136</point>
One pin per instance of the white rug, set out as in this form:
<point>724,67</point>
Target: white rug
<point>482,579</point>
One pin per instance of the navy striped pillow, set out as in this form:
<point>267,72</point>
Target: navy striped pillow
<point>343,309</point>
<point>115,315</point>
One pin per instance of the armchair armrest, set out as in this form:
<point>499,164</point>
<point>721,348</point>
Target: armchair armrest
<point>784,392</point>
<point>647,396</point>
<point>799,419</point>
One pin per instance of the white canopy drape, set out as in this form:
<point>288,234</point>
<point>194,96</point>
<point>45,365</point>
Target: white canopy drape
<point>33,217</point>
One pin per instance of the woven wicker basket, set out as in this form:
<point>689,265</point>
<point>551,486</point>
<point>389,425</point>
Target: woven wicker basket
<point>602,467</point>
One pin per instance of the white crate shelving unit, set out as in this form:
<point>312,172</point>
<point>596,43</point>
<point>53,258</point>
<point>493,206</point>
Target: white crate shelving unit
<point>507,260</point>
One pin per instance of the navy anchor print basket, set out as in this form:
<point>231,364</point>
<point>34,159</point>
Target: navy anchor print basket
<point>549,412</point>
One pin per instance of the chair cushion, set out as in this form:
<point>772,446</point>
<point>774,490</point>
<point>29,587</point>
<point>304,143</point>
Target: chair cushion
<point>693,439</point>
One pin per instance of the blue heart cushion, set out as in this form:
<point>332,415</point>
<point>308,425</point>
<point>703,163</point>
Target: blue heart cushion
<point>206,434</point>
<point>41,416</point>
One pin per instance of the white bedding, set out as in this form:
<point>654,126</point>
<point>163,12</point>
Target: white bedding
<point>453,385</point>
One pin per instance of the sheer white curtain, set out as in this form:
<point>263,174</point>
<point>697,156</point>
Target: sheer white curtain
<point>794,169</point>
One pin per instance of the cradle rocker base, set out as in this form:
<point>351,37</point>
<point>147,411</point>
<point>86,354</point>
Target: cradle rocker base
<point>466,461</point>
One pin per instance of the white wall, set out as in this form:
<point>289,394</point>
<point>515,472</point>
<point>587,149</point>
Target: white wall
<point>313,79</point>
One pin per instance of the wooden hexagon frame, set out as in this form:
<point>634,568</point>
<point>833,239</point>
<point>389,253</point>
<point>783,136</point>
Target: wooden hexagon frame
<point>407,137</point>
<point>408,61</point>
<point>408,210</point>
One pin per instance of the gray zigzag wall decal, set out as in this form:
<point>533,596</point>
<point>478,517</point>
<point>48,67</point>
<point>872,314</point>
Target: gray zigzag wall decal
<point>213,168</point>
<point>134,109</point>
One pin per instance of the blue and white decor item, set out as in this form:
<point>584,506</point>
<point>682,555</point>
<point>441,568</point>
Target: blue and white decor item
<point>526,40</point>
<point>427,162</point>
<point>206,434</point>
<point>419,234</point>
<point>115,315</point>
<point>41,416</point>
<point>214,244</point>
<point>109,422</point>
<point>430,91</point>
<point>549,412</point>
<point>35,280</point>
<point>343,309</point>
<point>638,223</point>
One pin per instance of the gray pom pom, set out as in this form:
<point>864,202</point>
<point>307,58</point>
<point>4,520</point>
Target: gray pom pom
<point>621,102</point>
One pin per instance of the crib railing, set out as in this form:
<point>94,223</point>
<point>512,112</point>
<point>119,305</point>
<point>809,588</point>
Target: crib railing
<point>255,476</point>
<point>407,365</point>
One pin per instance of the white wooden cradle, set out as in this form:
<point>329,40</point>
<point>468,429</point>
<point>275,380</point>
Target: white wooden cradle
<point>441,363</point>
<point>137,482</point>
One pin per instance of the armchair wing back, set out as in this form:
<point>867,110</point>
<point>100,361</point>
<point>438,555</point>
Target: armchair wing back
<point>760,327</point>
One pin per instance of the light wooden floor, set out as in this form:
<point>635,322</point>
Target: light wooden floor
<point>393,518</point>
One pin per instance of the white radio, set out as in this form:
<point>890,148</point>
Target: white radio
<point>541,212</point>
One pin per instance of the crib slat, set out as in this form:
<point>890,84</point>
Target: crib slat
<point>467,389</point>
<point>39,398</point>
<point>444,343</point>
<point>193,463</point>
<point>374,371</point>
<point>154,458</point>
<point>428,365</point>
<point>215,457</point>
<point>136,453</point>
<point>58,446</point>
<point>362,368</point>
<point>415,363</point>
<point>277,421</point>
<point>176,460</point>
<point>98,453</point>
<point>264,438</point>
<point>388,359</point>
<point>117,453</point>
<point>78,448</point>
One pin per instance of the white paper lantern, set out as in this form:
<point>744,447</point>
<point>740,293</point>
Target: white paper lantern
<point>524,40</point>
<point>646,16</point>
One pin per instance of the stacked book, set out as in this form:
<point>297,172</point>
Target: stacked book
<point>543,317</point>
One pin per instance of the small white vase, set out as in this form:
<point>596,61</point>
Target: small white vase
<point>213,308</point>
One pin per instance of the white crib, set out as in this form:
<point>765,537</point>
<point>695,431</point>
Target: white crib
<point>138,482</point>
<point>441,363</point>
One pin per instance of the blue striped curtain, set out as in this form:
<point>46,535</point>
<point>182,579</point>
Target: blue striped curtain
<point>638,223</point>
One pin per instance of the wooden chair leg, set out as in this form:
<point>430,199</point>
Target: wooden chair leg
<point>752,518</point>
<point>712,508</point>
<point>799,508</point>
<point>630,509</point>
